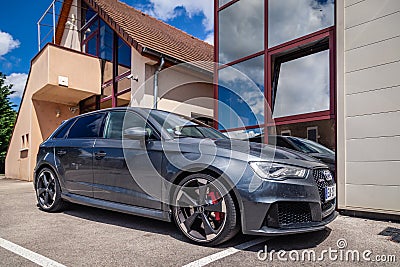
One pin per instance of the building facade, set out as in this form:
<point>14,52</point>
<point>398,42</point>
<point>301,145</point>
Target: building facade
<point>319,69</point>
<point>106,54</point>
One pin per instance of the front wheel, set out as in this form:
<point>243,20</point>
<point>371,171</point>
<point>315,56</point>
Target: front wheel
<point>203,212</point>
<point>48,191</point>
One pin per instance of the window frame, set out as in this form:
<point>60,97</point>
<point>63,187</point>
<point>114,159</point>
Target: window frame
<point>329,32</point>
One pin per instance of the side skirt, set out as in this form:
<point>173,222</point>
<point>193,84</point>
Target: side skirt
<point>108,205</point>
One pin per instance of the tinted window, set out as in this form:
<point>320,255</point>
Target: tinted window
<point>120,121</point>
<point>64,129</point>
<point>87,127</point>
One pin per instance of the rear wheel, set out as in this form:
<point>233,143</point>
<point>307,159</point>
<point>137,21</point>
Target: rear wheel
<point>48,191</point>
<point>203,212</point>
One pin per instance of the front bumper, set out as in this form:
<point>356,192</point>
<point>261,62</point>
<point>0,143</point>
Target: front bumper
<point>288,207</point>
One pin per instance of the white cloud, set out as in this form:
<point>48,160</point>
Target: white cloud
<point>18,80</point>
<point>210,39</point>
<point>7,43</point>
<point>166,10</point>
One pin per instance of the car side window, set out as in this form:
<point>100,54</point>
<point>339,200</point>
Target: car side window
<point>87,127</point>
<point>119,121</point>
<point>64,129</point>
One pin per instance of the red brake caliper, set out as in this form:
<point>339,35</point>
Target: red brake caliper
<point>214,200</point>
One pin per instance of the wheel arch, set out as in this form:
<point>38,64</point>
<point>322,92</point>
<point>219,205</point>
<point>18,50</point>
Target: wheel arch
<point>216,173</point>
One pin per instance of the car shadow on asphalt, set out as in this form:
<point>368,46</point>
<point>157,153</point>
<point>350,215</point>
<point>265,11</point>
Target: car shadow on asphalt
<point>289,242</point>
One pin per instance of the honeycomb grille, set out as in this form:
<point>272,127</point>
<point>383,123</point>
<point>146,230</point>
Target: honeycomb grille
<point>293,213</point>
<point>322,183</point>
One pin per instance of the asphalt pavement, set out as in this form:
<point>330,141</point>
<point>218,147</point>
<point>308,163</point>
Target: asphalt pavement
<point>85,236</point>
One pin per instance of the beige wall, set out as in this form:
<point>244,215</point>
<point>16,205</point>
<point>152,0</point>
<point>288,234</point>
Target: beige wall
<point>181,90</point>
<point>368,105</point>
<point>46,104</point>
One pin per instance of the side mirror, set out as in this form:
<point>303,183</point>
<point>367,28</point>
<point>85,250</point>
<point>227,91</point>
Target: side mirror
<point>136,133</point>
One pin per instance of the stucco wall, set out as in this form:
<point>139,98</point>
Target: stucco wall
<point>368,105</point>
<point>46,104</point>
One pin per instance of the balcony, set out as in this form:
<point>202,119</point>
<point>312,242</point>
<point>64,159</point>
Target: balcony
<point>64,76</point>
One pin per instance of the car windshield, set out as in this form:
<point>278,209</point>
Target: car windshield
<point>182,126</point>
<point>308,146</point>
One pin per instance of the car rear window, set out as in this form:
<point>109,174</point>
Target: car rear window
<point>64,129</point>
<point>87,127</point>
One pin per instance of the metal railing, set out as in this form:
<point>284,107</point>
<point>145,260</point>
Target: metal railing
<point>49,19</point>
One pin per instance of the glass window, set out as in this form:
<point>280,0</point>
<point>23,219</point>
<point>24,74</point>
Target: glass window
<point>241,30</point>
<point>120,121</point>
<point>241,94</point>
<point>303,86</point>
<point>106,41</point>
<point>92,28</point>
<point>64,129</point>
<point>87,127</point>
<point>91,46</point>
<point>291,19</point>
<point>223,2</point>
<point>124,57</point>
<point>89,13</point>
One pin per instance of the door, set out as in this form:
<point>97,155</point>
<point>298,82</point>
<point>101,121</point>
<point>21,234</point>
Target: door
<point>121,166</point>
<point>75,154</point>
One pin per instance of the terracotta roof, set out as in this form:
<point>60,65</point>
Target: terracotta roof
<point>142,31</point>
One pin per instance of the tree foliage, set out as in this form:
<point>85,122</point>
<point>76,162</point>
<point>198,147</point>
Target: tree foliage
<point>7,119</point>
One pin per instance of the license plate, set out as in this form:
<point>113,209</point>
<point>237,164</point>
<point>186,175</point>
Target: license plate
<point>330,192</point>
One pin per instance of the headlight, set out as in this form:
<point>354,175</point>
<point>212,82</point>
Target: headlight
<point>276,171</point>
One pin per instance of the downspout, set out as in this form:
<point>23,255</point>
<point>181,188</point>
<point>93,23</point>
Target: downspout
<point>155,92</point>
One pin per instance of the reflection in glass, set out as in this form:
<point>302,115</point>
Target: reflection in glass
<point>241,94</point>
<point>106,41</point>
<point>245,134</point>
<point>223,2</point>
<point>124,57</point>
<point>303,86</point>
<point>241,30</point>
<point>291,19</point>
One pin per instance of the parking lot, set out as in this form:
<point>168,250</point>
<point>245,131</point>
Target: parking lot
<point>83,236</point>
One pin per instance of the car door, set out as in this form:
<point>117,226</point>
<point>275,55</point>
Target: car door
<point>116,159</point>
<point>75,154</point>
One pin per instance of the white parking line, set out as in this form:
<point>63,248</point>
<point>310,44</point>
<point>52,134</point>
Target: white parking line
<point>225,253</point>
<point>27,254</point>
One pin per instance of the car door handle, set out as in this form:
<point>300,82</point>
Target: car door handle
<point>100,155</point>
<point>61,152</point>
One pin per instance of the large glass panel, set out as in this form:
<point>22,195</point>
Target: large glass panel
<point>91,46</point>
<point>124,57</point>
<point>291,19</point>
<point>241,94</point>
<point>303,86</point>
<point>241,30</point>
<point>106,41</point>
<point>223,2</point>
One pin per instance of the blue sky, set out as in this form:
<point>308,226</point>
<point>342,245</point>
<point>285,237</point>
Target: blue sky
<point>18,30</point>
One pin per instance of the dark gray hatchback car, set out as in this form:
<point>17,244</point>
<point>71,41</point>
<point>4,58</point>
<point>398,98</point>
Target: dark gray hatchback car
<point>169,167</point>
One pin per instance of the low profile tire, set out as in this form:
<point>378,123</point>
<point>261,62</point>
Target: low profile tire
<point>48,191</point>
<point>202,212</point>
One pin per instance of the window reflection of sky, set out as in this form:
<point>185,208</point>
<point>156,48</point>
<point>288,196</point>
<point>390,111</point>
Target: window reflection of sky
<point>241,91</point>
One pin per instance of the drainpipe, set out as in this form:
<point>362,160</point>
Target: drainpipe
<point>155,92</point>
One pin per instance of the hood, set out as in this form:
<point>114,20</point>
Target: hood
<point>249,151</point>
